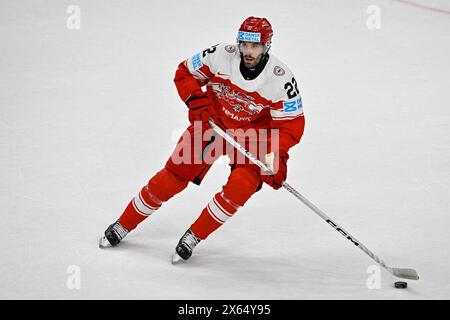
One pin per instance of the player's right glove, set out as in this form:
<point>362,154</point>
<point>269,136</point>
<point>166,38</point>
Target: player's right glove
<point>277,162</point>
<point>200,106</point>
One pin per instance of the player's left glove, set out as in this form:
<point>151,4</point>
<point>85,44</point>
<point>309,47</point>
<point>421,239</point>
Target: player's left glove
<point>277,162</point>
<point>200,106</point>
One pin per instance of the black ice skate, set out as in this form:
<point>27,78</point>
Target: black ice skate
<point>113,235</point>
<point>185,246</point>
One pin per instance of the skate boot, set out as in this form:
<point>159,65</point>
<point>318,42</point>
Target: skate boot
<point>113,235</point>
<point>185,246</point>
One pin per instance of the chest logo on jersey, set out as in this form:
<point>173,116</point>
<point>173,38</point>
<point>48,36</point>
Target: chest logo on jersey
<point>238,101</point>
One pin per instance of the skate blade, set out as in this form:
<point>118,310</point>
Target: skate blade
<point>176,258</point>
<point>103,243</point>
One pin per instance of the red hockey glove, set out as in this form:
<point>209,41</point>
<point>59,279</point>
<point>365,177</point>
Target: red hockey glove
<point>277,161</point>
<point>200,107</point>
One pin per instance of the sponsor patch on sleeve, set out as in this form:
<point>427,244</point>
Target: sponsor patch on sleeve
<point>294,105</point>
<point>197,61</point>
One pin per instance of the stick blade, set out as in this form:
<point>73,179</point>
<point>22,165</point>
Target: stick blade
<point>405,273</point>
<point>176,258</point>
<point>103,243</point>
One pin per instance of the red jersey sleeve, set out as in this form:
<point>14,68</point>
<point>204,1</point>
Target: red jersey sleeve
<point>290,132</point>
<point>195,72</point>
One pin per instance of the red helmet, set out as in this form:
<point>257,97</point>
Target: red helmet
<point>255,29</point>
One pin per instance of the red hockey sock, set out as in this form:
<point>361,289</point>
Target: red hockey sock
<point>241,185</point>
<point>216,213</point>
<point>163,186</point>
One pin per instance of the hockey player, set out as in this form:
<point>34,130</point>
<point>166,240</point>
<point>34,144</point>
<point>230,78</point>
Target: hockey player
<point>246,88</point>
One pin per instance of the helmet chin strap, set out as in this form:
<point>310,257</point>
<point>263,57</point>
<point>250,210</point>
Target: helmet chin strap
<point>267,46</point>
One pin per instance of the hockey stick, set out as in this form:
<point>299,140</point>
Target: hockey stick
<point>405,273</point>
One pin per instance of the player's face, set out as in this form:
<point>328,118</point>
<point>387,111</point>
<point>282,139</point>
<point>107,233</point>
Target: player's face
<point>252,53</point>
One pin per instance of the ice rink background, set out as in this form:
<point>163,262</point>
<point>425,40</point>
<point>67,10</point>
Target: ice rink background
<point>88,116</point>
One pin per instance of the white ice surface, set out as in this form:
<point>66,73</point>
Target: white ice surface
<point>88,116</point>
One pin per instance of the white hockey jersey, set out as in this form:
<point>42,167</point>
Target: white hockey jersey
<point>270,100</point>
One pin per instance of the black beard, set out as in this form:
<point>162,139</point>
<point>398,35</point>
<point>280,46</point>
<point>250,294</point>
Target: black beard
<point>251,68</point>
<point>252,73</point>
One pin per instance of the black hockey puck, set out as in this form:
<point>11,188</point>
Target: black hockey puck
<point>401,285</point>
